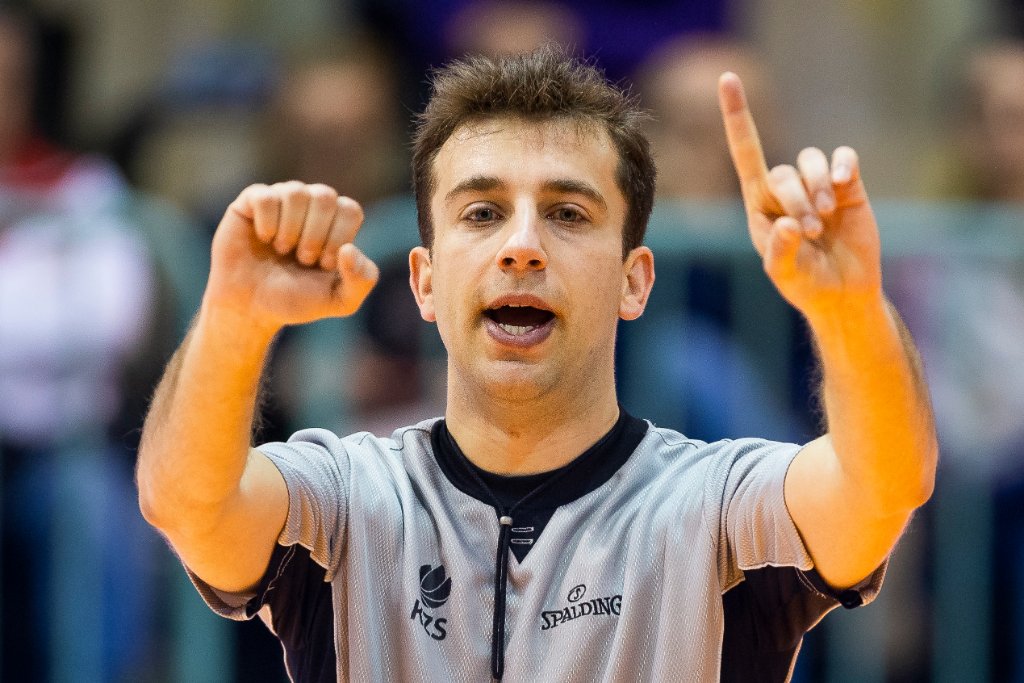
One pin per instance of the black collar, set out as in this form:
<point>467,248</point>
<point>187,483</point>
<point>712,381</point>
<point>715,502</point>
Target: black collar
<point>590,469</point>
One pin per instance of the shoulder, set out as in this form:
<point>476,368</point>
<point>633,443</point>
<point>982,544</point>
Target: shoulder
<point>323,455</point>
<point>725,453</point>
<point>411,438</point>
<point>716,470</point>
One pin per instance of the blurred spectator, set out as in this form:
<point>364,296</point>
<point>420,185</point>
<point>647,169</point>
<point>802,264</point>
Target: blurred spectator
<point>678,83</point>
<point>967,313</point>
<point>994,121</point>
<point>618,33</point>
<point>60,222</point>
<point>198,138</point>
<point>979,396</point>
<point>336,119</point>
<point>395,383</point>
<point>987,117</point>
<point>493,28</point>
<point>82,335</point>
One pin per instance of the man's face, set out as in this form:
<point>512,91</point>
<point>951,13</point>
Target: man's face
<point>526,279</point>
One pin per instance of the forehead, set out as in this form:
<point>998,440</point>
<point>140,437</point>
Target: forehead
<point>525,151</point>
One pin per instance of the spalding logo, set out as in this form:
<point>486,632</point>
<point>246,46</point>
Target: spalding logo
<point>435,587</point>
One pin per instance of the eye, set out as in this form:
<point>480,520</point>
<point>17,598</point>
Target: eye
<point>481,214</point>
<point>567,214</point>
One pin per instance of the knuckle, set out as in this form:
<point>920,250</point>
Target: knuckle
<point>255,190</point>
<point>323,198</point>
<point>846,152</point>
<point>781,172</point>
<point>350,209</point>
<point>264,199</point>
<point>809,155</point>
<point>311,246</point>
<point>290,189</point>
<point>320,192</point>
<point>328,260</point>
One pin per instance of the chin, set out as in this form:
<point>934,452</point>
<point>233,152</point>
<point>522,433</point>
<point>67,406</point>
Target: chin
<point>517,381</point>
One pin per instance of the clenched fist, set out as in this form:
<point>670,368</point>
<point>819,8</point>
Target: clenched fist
<point>283,255</point>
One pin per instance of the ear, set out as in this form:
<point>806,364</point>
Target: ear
<point>420,280</point>
<point>637,281</point>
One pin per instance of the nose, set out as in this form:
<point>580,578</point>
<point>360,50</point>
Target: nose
<point>523,249</point>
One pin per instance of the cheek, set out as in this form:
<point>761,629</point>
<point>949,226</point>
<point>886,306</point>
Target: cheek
<point>451,294</point>
<point>602,293</point>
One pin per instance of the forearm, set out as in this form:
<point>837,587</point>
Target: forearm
<point>879,415</point>
<point>196,438</point>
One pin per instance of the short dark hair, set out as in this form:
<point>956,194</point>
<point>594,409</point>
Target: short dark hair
<point>543,84</point>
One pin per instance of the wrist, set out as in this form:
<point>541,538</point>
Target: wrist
<point>858,331</point>
<point>248,335</point>
<point>851,315</point>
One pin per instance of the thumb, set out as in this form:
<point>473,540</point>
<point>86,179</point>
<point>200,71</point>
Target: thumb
<point>358,274</point>
<point>781,249</point>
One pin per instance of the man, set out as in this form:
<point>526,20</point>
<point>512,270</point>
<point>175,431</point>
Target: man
<point>372,559</point>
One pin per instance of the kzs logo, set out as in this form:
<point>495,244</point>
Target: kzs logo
<point>435,588</point>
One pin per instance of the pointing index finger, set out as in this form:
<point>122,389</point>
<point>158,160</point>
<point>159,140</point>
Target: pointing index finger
<point>744,143</point>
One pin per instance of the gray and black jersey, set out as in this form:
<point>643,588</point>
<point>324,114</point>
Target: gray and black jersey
<point>650,557</point>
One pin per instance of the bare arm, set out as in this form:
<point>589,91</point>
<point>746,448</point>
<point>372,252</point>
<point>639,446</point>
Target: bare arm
<point>281,255</point>
<point>852,491</point>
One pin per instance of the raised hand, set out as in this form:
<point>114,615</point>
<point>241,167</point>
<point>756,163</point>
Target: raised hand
<point>811,224</point>
<point>283,255</point>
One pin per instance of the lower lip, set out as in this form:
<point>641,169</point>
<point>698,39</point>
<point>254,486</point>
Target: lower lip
<point>521,341</point>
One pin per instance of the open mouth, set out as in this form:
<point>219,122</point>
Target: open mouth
<point>519,320</point>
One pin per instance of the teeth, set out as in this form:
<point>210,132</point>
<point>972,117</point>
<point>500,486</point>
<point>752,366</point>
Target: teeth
<point>517,329</point>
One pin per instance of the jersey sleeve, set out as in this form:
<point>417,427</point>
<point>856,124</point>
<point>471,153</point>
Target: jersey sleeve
<point>772,595</point>
<point>314,465</point>
<point>294,601</point>
<point>745,503</point>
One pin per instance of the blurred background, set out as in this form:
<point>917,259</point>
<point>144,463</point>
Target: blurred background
<point>126,128</point>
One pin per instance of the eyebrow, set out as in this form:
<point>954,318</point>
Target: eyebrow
<point>559,185</point>
<point>477,183</point>
<point>569,186</point>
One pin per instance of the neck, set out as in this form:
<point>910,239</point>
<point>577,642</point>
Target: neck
<point>531,435</point>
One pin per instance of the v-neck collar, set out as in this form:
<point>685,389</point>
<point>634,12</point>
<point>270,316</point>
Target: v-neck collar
<point>590,469</point>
